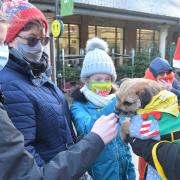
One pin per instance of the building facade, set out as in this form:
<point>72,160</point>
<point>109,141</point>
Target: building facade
<point>124,24</point>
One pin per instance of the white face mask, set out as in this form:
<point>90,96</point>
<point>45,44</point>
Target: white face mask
<point>4,56</point>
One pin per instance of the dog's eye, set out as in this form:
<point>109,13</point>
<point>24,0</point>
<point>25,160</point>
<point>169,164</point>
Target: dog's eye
<point>126,103</point>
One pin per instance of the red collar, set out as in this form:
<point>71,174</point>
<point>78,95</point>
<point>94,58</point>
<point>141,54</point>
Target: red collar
<point>156,114</point>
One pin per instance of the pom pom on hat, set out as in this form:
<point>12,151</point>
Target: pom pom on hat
<point>19,13</point>
<point>176,58</point>
<point>97,60</point>
<point>96,43</point>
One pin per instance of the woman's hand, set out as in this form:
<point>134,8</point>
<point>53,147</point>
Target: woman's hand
<point>106,127</point>
<point>165,85</point>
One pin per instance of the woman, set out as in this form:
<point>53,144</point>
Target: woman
<point>96,98</point>
<point>34,104</point>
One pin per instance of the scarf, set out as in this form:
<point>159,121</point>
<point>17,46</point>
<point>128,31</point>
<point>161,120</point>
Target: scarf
<point>100,101</point>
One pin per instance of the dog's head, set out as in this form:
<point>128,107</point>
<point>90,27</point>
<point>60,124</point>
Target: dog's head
<point>136,93</point>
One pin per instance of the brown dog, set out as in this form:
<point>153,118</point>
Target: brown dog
<point>136,93</point>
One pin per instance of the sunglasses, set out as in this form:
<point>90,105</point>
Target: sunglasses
<point>32,41</point>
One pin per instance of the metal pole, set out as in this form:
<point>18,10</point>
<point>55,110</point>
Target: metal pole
<point>149,55</point>
<point>52,58</point>
<point>133,53</point>
<point>58,63</point>
<point>57,11</point>
<point>113,57</point>
<point>64,78</point>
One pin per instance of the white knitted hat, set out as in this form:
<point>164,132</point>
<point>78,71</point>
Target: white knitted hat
<point>97,60</point>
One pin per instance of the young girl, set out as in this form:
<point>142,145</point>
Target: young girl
<point>94,99</point>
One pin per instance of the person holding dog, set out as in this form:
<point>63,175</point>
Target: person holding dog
<point>168,155</point>
<point>161,71</point>
<point>97,98</point>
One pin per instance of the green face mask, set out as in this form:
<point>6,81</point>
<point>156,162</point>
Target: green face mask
<point>101,88</point>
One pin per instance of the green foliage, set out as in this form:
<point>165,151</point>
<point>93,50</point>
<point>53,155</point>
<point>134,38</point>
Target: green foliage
<point>170,51</point>
<point>124,70</point>
<point>72,73</point>
<point>154,51</point>
<point>141,63</point>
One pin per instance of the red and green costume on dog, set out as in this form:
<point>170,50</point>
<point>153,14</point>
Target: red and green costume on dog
<point>160,120</point>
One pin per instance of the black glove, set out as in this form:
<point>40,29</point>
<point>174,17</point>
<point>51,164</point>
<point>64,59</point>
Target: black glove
<point>143,148</point>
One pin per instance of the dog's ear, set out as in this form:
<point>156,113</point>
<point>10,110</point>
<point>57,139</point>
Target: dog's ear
<point>145,97</point>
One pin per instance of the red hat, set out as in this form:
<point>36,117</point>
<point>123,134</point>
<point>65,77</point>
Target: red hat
<point>19,13</point>
<point>176,58</point>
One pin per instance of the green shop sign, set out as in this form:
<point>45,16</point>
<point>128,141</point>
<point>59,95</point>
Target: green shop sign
<point>67,7</point>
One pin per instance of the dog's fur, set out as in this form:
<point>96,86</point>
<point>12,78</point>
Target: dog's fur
<point>136,93</point>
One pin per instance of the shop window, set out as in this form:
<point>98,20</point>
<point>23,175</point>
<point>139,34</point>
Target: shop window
<point>112,35</point>
<point>91,31</point>
<point>145,39</point>
<point>70,39</point>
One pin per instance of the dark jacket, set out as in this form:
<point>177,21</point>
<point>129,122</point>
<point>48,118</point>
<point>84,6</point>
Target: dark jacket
<point>17,164</point>
<point>176,89</point>
<point>168,155</point>
<point>37,108</point>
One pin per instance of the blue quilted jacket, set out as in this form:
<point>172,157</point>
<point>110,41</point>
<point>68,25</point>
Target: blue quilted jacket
<point>114,162</point>
<point>37,108</point>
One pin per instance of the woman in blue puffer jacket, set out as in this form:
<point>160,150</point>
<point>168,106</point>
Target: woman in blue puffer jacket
<point>33,102</point>
<point>95,99</point>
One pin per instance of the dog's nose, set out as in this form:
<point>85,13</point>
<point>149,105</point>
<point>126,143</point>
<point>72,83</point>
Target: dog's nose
<point>117,110</point>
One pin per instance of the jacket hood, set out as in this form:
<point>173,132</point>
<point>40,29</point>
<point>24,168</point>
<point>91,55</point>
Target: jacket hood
<point>159,65</point>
